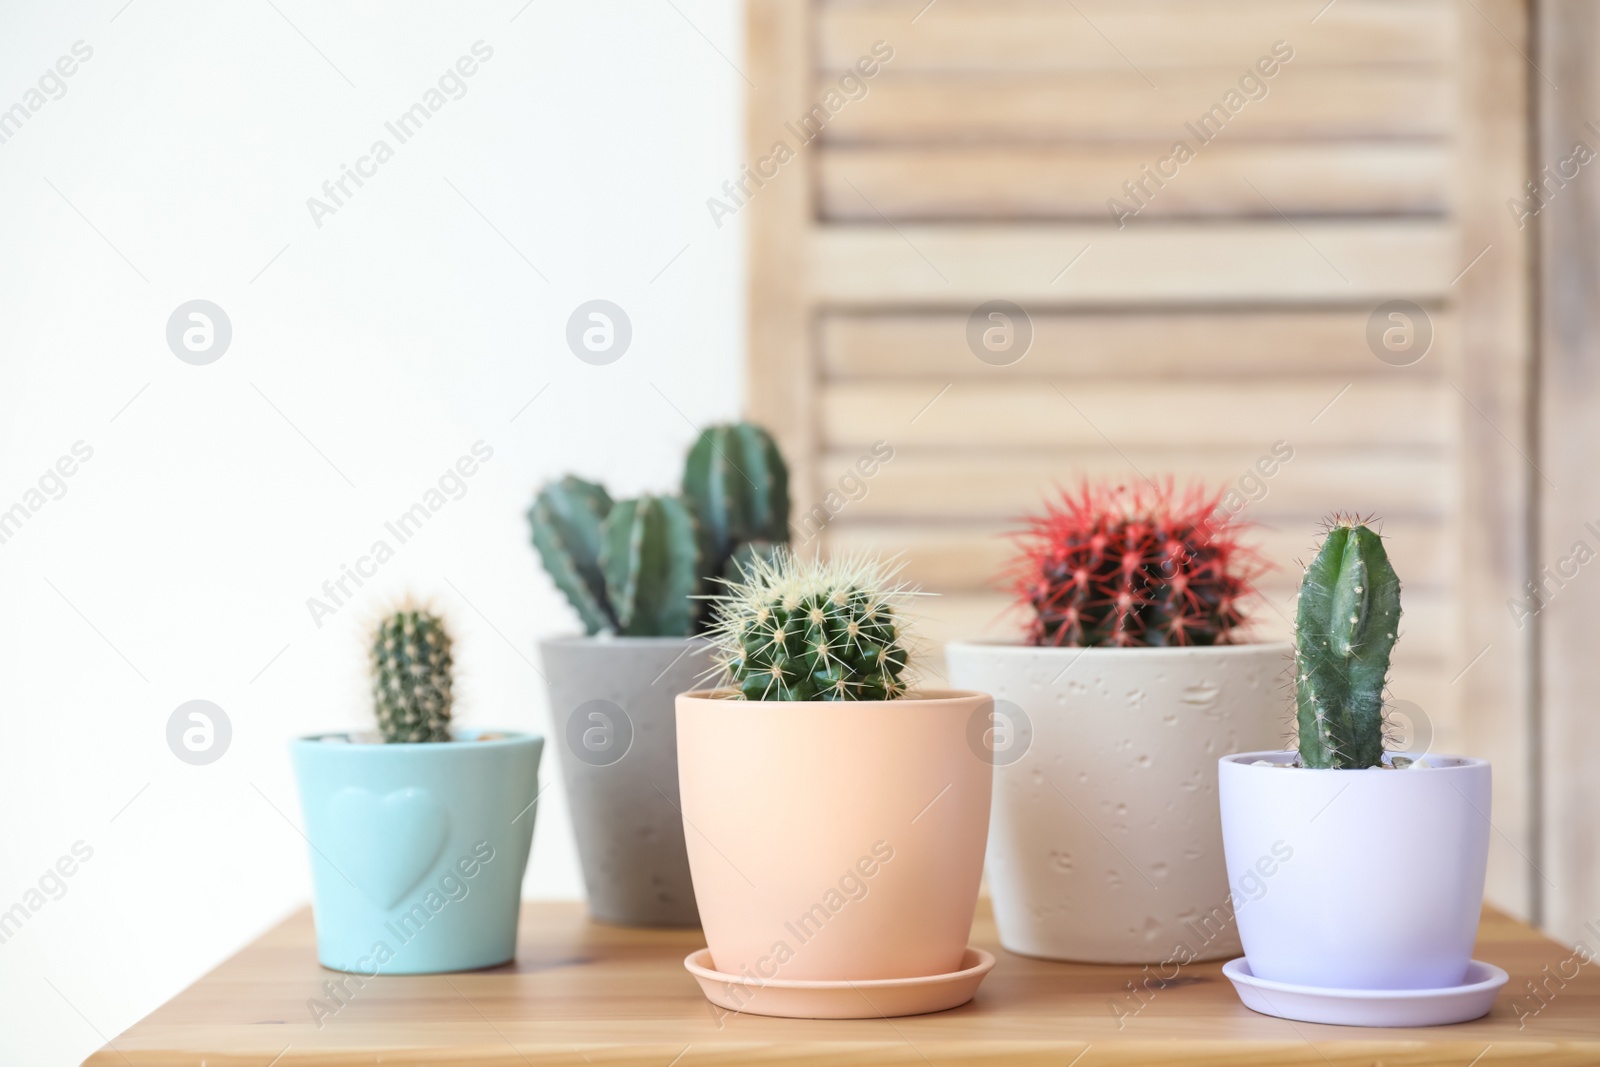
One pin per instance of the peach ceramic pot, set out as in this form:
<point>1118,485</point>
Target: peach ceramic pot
<point>835,841</point>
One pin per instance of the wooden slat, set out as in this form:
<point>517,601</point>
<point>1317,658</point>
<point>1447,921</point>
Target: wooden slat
<point>1569,624</point>
<point>1372,411</point>
<point>1157,263</point>
<point>968,557</point>
<point>1050,182</point>
<point>1001,484</point>
<point>1154,34</point>
<point>1207,345</point>
<point>1120,105</point>
<point>1424,644</point>
<point>1495,481</point>
<point>779,367</point>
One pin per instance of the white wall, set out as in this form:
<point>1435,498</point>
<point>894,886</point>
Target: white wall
<point>365,359</point>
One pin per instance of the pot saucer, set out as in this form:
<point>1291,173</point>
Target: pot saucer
<point>1472,999</point>
<point>871,999</point>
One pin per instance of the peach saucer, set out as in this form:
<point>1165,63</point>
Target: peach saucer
<point>870,999</point>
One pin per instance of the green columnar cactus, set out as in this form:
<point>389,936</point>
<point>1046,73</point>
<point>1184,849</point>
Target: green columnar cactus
<point>1348,619</point>
<point>566,519</point>
<point>411,679</point>
<point>737,484</point>
<point>649,552</point>
<point>793,629</point>
<point>634,567</point>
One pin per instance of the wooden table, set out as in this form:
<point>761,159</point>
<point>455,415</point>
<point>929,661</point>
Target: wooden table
<point>582,993</point>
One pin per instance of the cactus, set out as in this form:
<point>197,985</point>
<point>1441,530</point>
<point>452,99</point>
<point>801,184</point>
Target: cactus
<point>566,519</point>
<point>794,629</point>
<point>737,484</point>
<point>1143,567</point>
<point>411,679</point>
<point>634,567</point>
<point>1345,630</point>
<point>649,552</point>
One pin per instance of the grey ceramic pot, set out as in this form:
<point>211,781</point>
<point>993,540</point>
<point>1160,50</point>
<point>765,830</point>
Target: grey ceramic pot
<point>614,731</point>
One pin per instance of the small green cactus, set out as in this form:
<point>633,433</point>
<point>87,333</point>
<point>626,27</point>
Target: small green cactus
<point>649,552</point>
<point>566,519</point>
<point>411,679</point>
<point>793,629</point>
<point>737,484</point>
<point>1345,630</point>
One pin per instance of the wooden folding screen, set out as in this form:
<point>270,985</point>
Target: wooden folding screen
<point>1203,314</point>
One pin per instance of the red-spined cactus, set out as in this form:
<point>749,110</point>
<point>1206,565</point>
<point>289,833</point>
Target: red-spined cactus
<point>1140,566</point>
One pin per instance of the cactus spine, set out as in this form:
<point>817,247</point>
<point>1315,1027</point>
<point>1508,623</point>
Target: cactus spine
<point>566,519</point>
<point>737,484</point>
<point>793,629</point>
<point>649,553</point>
<point>1345,630</point>
<point>411,677</point>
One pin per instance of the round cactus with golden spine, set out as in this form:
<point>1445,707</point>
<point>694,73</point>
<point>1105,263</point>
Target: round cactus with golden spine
<point>802,629</point>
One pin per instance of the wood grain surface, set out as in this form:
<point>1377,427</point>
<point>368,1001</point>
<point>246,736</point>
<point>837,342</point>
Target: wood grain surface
<point>582,993</point>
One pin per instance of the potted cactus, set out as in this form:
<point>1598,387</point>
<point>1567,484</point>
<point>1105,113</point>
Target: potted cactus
<point>1389,852</point>
<point>634,571</point>
<point>1135,676</point>
<point>838,814</point>
<point>419,833</point>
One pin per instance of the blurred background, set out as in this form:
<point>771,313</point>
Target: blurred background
<point>1328,254</point>
<point>368,354</point>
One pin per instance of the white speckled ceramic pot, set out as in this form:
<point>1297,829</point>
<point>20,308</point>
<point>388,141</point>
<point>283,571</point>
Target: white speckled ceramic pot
<point>1106,839</point>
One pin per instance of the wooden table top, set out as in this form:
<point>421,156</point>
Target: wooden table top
<point>583,993</point>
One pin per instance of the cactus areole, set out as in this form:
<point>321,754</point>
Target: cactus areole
<point>411,677</point>
<point>1132,567</point>
<point>801,629</point>
<point>1345,629</point>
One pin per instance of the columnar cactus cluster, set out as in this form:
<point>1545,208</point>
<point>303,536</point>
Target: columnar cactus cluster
<point>793,629</point>
<point>411,677</point>
<point>634,567</point>
<point>1346,626</point>
<point>1110,565</point>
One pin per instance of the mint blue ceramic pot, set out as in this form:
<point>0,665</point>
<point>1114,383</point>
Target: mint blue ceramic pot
<point>418,850</point>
